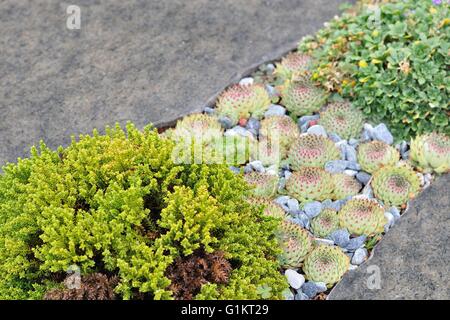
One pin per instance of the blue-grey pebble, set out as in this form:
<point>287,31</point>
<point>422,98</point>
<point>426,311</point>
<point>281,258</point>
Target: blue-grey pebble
<point>225,122</point>
<point>363,177</point>
<point>382,133</point>
<point>310,289</point>
<point>209,110</point>
<point>356,243</point>
<point>336,166</point>
<point>334,137</point>
<point>317,129</point>
<point>275,110</point>
<point>312,209</point>
<point>341,237</point>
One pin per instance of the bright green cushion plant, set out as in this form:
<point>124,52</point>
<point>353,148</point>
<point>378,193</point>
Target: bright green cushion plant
<point>392,61</point>
<point>117,205</point>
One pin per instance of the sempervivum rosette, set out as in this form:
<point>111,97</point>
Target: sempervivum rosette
<point>311,150</point>
<point>279,129</point>
<point>376,154</point>
<point>431,152</point>
<point>345,185</point>
<point>395,185</point>
<point>295,242</point>
<point>326,264</point>
<point>262,184</point>
<point>294,66</point>
<point>310,183</point>
<point>301,99</point>
<point>362,217</point>
<point>343,119</point>
<point>325,223</point>
<point>243,101</point>
<point>270,208</point>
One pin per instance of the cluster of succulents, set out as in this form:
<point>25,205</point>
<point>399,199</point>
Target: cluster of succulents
<point>375,155</point>
<point>281,130</point>
<point>310,183</point>
<point>345,185</point>
<point>311,150</point>
<point>270,208</point>
<point>301,99</point>
<point>198,126</point>
<point>243,101</point>
<point>362,217</point>
<point>263,184</point>
<point>431,152</point>
<point>294,66</point>
<point>325,223</point>
<point>343,119</point>
<point>395,185</point>
<point>326,264</point>
<point>295,242</point>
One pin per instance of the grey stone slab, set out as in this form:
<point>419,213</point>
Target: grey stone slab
<point>413,257</point>
<point>145,61</point>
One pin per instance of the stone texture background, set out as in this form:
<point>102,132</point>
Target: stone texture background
<point>145,61</point>
<point>413,257</point>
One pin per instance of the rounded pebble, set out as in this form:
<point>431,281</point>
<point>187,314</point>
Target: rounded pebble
<point>340,237</point>
<point>359,256</point>
<point>246,81</point>
<point>363,177</point>
<point>317,129</point>
<point>275,110</point>
<point>312,209</point>
<point>336,166</point>
<point>295,279</point>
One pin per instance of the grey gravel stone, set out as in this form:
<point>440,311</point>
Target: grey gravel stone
<point>246,81</point>
<point>295,279</point>
<point>367,191</point>
<point>281,184</point>
<point>382,133</point>
<point>368,132</point>
<point>334,137</point>
<point>275,110</point>
<point>209,110</point>
<point>336,166</point>
<point>287,174</point>
<point>350,153</point>
<point>310,289</point>
<point>282,200</point>
<point>317,129</point>
<point>304,220</point>
<point>257,166</point>
<point>390,221</point>
<point>225,122</point>
<point>395,212</point>
<point>353,142</point>
<point>312,209</point>
<point>405,155</point>
<point>353,165</point>
<point>253,124</point>
<point>248,168</point>
<point>271,90</point>
<point>359,256</point>
<point>356,243</point>
<point>340,237</point>
<point>337,205</point>
<point>363,177</point>
<point>305,119</point>
<point>293,204</point>
<point>351,173</point>
<point>301,296</point>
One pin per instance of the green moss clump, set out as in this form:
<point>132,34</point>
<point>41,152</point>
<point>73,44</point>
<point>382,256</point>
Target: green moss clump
<point>117,204</point>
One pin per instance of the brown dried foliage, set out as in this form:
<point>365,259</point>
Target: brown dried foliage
<point>96,286</point>
<point>188,274</point>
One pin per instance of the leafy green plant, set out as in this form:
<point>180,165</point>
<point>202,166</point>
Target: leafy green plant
<point>392,61</point>
<point>116,204</point>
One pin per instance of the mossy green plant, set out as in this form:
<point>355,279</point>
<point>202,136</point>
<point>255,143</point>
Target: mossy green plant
<point>117,204</point>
